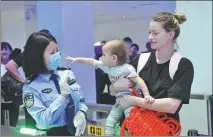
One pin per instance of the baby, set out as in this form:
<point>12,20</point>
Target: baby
<point>113,62</point>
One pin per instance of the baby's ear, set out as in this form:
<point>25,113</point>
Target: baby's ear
<point>115,58</point>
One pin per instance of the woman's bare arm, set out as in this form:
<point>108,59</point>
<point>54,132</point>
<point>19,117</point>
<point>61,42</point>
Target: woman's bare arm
<point>12,68</point>
<point>167,105</point>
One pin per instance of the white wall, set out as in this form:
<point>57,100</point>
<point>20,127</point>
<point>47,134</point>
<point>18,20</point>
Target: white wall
<point>13,26</point>
<point>137,29</point>
<point>195,43</point>
<point>15,29</point>
<point>31,24</point>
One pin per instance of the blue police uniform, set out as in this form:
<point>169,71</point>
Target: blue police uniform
<point>45,104</point>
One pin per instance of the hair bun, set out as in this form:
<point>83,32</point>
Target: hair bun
<point>180,17</point>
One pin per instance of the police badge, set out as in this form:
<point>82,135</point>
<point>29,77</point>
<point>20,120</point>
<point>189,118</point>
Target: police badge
<point>28,100</point>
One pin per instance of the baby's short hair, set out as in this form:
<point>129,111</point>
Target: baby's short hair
<point>118,48</point>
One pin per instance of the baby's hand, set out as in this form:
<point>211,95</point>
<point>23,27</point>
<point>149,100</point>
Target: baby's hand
<point>71,59</point>
<point>149,99</point>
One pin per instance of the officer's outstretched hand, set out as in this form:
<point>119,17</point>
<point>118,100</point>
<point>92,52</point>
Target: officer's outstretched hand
<point>80,123</point>
<point>63,82</point>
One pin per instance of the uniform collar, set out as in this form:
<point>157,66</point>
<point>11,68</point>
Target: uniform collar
<point>46,76</point>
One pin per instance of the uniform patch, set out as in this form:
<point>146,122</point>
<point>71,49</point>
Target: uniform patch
<point>28,100</point>
<point>46,90</point>
<point>70,81</point>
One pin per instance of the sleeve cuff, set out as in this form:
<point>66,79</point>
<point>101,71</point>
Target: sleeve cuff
<point>133,74</point>
<point>95,64</point>
<point>83,107</point>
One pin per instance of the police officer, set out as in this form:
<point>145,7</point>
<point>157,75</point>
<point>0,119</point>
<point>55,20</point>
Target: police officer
<point>52,97</point>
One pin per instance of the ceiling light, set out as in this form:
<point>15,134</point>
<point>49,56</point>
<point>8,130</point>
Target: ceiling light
<point>123,17</point>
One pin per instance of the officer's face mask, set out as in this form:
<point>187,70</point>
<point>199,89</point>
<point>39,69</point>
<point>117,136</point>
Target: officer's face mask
<point>54,61</point>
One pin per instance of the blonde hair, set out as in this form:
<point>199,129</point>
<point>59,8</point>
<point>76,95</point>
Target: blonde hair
<point>180,18</point>
<point>170,21</point>
<point>118,48</point>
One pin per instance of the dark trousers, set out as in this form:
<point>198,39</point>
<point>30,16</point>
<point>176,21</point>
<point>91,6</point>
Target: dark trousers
<point>29,121</point>
<point>13,113</point>
<point>58,131</point>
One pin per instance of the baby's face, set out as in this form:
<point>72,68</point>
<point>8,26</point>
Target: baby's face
<point>107,58</point>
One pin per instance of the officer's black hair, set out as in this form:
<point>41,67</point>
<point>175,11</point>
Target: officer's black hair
<point>33,62</point>
<point>45,31</point>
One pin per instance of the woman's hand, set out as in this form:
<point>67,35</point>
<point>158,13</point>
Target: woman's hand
<point>131,84</point>
<point>125,101</point>
<point>121,84</point>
